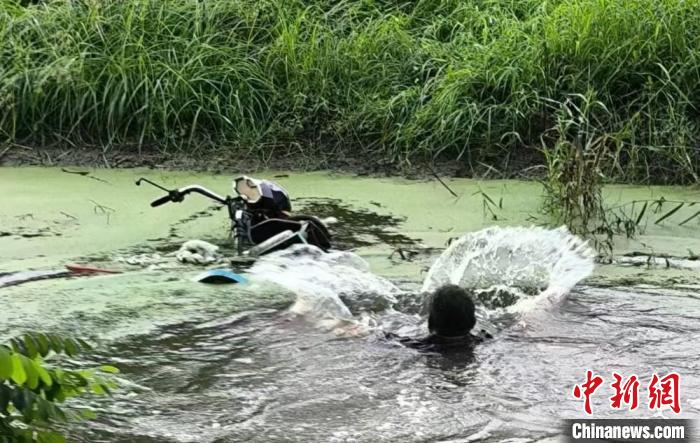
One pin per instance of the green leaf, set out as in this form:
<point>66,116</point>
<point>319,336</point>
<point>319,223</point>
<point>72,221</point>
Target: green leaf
<point>50,437</point>
<point>44,346</point>
<point>18,346</point>
<point>84,345</point>
<point>109,369</point>
<point>88,414</point>
<point>30,391</point>
<point>5,363</point>
<point>58,413</point>
<point>60,396</point>
<point>56,343</point>
<point>29,400</point>
<point>51,391</point>
<point>44,375</point>
<point>82,377</point>
<point>59,374</point>
<point>43,411</point>
<point>31,346</point>
<point>70,347</point>
<point>32,374</point>
<point>48,411</point>
<point>18,375</point>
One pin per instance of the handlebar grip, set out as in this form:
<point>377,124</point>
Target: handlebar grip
<point>161,201</point>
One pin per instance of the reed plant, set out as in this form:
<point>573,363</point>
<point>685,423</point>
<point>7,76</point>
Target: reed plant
<point>478,81</point>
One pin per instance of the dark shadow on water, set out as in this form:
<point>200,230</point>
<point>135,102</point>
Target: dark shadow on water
<point>356,226</point>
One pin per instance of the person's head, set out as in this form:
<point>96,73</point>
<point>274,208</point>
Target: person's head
<point>451,312</point>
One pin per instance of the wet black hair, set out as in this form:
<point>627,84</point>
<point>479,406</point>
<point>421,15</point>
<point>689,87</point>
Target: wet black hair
<point>451,312</point>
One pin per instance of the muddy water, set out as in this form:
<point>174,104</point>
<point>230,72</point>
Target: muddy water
<point>221,363</point>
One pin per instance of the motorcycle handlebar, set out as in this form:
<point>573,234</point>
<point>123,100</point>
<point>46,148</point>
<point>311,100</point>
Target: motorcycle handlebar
<point>203,191</point>
<point>161,201</point>
<point>178,195</point>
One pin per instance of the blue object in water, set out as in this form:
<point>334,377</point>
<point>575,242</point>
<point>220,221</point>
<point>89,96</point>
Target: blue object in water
<point>220,276</point>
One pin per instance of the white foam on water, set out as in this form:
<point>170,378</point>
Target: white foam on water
<point>544,263</point>
<point>537,266</point>
<point>319,279</point>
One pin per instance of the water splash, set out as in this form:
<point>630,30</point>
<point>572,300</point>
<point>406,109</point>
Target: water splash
<point>320,279</point>
<point>532,265</point>
<point>506,267</point>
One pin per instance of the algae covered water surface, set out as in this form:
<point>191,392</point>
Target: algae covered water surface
<point>259,362</point>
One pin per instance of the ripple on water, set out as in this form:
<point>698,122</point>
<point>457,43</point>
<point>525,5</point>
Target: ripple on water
<point>232,367</point>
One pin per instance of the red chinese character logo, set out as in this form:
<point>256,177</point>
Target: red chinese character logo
<point>587,389</point>
<point>665,392</point>
<point>627,393</point>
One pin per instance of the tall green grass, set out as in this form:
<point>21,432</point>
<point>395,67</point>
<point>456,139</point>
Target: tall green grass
<point>479,81</point>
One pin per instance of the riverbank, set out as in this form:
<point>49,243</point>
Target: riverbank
<point>286,158</point>
<point>326,83</point>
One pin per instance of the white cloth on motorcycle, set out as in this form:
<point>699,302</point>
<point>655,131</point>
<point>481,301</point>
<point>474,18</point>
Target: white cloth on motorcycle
<point>262,195</point>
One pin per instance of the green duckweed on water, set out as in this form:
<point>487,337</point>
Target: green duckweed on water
<point>51,217</point>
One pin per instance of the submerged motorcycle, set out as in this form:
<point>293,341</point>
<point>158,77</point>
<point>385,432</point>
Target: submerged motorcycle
<point>261,221</point>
